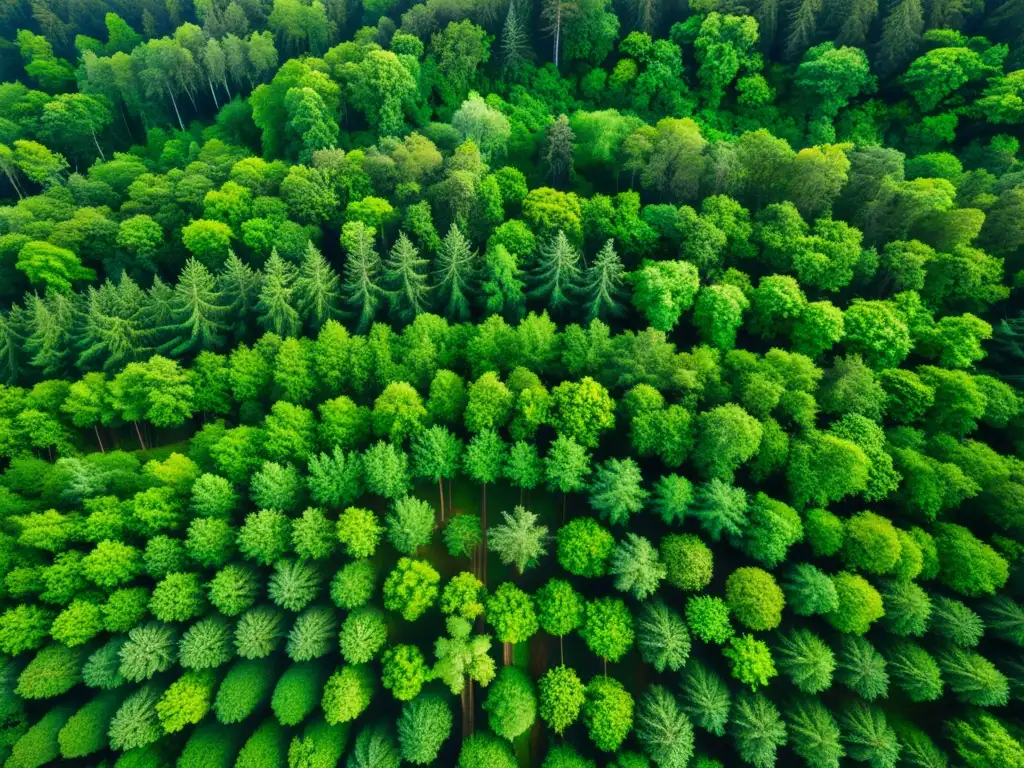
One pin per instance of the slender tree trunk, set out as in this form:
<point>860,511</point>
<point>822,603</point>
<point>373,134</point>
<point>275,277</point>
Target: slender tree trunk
<point>226,89</point>
<point>558,29</point>
<point>98,148</point>
<point>472,708</point>
<point>464,701</point>
<point>507,651</point>
<point>213,93</point>
<point>561,649</point>
<point>483,532</point>
<point>605,667</point>
<point>138,432</point>
<point>99,440</point>
<point>124,119</point>
<point>192,98</point>
<point>440,489</point>
<point>14,183</point>
<point>174,101</point>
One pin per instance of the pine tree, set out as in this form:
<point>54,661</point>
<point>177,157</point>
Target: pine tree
<point>515,43</point>
<point>276,307</point>
<point>855,20</point>
<point>240,287</point>
<point>115,318</point>
<point>316,289</point>
<point>361,290</point>
<point>558,273</point>
<point>51,324</point>
<point>454,274</point>
<point>406,278</point>
<point>558,147</point>
<point>803,27</point>
<point>602,284</point>
<point>197,312</point>
<point>11,344</point>
<point>901,35</point>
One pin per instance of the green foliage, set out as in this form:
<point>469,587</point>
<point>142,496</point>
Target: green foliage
<point>754,598</point>
<point>363,635</point>
<point>297,693</point>
<point>511,703</point>
<point>757,729</point>
<point>404,671</point>
<point>662,638</point>
<point>411,588</point>
<point>861,668</point>
<point>247,685</point>
<point>607,712</point>
<point>423,727</point>
<point>860,604</point>
<point>584,547</point>
<point>562,695</point>
<point>608,628</point>
<point>354,584</point>
<point>706,698</point>
<point>708,619</point>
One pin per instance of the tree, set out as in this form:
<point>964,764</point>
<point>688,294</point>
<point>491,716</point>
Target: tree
<point>804,658</point>
<point>411,588</point>
<point>862,669</point>
<point>566,466</point>
<point>463,658</point>
<point>617,490</point>
<point>607,712</point>
<point>584,547</point>
<point>53,267</point>
<point>316,289</point>
<point>602,284</point>
<point>347,693</point>
<point>663,729</point>
<point>557,275</point>
<point>410,524</point>
<point>751,660</point>
<point>511,612</point>
<point>718,314</point>
<point>561,698</point>
<point>973,679</point>
<point>423,727</point>
<point>454,273</point>
<point>511,703</point>
<point>405,275</point>
<point>813,732</point>
<point>186,701</point>
<point>662,638</point>
<point>520,541</point>
<point>608,628</point>
<point>754,598</point>
<point>688,562</point>
<point>386,470</point>
<point>635,564</point>
<point>361,290</point>
<point>404,671</point>
<point>435,455</point>
<point>375,747</point>
<point>867,736</point>
<point>663,290</point>
<point>757,729</point>
<point>915,671</point>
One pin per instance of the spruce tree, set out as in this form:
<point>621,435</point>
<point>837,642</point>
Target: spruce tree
<point>406,278</point>
<point>361,290</point>
<point>239,286</point>
<point>276,307</point>
<point>515,44</point>
<point>112,333</point>
<point>454,274</point>
<point>901,35</point>
<point>557,274</point>
<point>602,284</point>
<point>197,312</point>
<point>316,289</point>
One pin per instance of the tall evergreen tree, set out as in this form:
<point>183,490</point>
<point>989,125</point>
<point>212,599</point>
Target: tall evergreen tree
<point>11,344</point>
<point>515,44</point>
<point>113,333</point>
<point>51,323</point>
<point>901,35</point>
<point>558,147</point>
<point>602,284</point>
<point>239,285</point>
<point>406,277</point>
<point>316,289</point>
<point>197,314</point>
<point>803,27</point>
<point>454,274</point>
<point>557,274</point>
<point>361,290</point>
<point>276,307</point>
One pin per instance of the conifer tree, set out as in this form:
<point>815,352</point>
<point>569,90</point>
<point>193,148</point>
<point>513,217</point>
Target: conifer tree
<point>316,289</point>
<point>901,35</point>
<point>51,323</point>
<point>197,312</point>
<point>557,274</point>
<point>406,278</point>
<point>454,274</point>
<point>361,290</point>
<point>602,285</point>
<point>515,44</point>
<point>113,332</point>
<point>276,306</point>
<point>239,286</point>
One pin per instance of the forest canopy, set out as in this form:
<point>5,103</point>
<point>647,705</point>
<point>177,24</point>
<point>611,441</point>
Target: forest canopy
<point>638,381</point>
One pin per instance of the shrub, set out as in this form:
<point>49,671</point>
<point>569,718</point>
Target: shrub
<point>754,598</point>
<point>688,561</point>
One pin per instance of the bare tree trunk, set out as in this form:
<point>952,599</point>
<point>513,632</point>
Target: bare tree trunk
<point>472,708</point>
<point>440,488</point>
<point>175,103</point>
<point>99,440</point>
<point>213,93</point>
<point>98,148</point>
<point>483,532</point>
<point>558,30</point>
<point>138,432</point>
<point>14,183</point>
<point>124,119</point>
